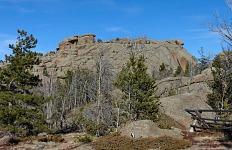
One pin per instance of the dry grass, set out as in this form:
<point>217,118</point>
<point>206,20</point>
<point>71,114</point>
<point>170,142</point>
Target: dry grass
<point>190,136</point>
<point>49,138</point>
<point>117,142</point>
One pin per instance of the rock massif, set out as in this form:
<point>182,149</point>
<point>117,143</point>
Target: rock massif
<point>83,52</point>
<point>177,93</point>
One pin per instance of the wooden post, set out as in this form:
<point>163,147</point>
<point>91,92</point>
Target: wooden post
<point>198,115</point>
<point>192,129</point>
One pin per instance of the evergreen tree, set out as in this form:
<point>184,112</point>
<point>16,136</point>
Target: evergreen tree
<point>187,71</point>
<point>178,71</point>
<point>138,88</point>
<point>221,96</point>
<point>162,67</point>
<point>20,109</point>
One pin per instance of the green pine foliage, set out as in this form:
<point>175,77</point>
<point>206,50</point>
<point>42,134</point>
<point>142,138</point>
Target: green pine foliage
<point>221,97</point>
<point>17,76</point>
<point>20,109</point>
<point>20,113</point>
<point>178,71</point>
<point>162,67</point>
<point>138,88</point>
<point>186,72</point>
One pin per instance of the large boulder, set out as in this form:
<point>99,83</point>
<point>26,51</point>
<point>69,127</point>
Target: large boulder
<point>174,107</point>
<point>147,128</point>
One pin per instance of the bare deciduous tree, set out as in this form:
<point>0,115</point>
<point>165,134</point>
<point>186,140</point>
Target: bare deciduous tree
<point>223,27</point>
<point>104,80</point>
<point>220,98</point>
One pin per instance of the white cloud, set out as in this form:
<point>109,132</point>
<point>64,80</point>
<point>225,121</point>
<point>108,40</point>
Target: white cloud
<point>14,1</point>
<point>117,29</point>
<point>207,36</point>
<point>22,1</point>
<point>5,40</point>
<point>201,33</point>
<point>25,10</point>
<point>133,10</point>
<point>198,17</point>
<point>109,3</point>
<point>198,30</point>
<point>31,6</point>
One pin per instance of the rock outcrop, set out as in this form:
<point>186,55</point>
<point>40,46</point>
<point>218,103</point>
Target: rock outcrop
<point>82,52</point>
<point>178,85</point>
<point>71,42</point>
<point>174,107</point>
<point>147,128</point>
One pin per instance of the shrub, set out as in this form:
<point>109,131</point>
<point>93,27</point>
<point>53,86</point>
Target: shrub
<point>99,40</point>
<point>90,127</point>
<point>172,91</point>
<point>84,139</point>
<point>178,71</point>
<point>166,122</point>
<point>50,138</point>
<point>118,142</point>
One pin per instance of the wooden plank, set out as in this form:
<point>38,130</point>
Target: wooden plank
<point>205,110</point>
<point>199,119</point>
<point>218,120</point>
<point>213,123</point>
<point>200,127</point>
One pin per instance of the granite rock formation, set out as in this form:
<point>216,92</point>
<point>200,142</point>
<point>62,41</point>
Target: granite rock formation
<point>82,52</point>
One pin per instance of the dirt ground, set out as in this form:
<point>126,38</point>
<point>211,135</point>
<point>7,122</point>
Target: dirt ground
<point>201,141</point>
<point>208,140</point>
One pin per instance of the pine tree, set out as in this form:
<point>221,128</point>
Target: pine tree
<point>178,71</point>
<point>138,88</point>
<point>162,67</point>
<point>20,109</point>
<point>221,97</point>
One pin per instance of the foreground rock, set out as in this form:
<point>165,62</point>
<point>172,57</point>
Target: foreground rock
<point>174,107</point>
<point>147,128</point>
<point>5,138</point>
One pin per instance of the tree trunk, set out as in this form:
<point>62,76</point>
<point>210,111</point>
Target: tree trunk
<point>62,113</point>
<point>99,94</point>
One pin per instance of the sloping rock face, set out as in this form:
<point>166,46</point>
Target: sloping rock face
<point>83,52</point>
<point>174,106</point>
<point>178,85</point>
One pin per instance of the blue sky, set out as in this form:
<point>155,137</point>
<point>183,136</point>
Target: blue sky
<point>50,21</point>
